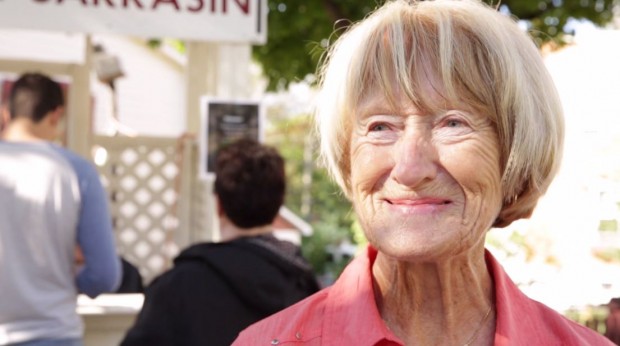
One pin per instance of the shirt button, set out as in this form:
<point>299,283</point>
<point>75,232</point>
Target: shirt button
<point>275,341</point>
<point>298,336</point>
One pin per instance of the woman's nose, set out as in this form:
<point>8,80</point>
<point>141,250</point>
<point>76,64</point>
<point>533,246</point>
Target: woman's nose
<point>415,160</point>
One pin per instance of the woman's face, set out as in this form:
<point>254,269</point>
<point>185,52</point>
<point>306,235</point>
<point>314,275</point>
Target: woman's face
<point>424,186</point>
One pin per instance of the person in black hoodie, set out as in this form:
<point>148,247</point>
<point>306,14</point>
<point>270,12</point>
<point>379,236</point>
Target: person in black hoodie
<point>215,290</point>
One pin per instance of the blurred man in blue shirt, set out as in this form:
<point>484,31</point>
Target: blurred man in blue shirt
<point>51,203</point>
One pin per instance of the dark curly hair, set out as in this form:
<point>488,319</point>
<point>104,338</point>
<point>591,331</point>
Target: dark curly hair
<point>34,95</point>
<point>250,182</point>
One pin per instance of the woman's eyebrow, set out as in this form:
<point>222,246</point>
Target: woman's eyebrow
<point>375,108</point>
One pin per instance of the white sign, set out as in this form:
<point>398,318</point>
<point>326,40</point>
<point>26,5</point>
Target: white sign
<point>239,21</point>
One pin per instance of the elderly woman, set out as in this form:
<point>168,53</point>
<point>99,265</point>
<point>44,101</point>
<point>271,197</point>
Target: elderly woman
<point>439,121</point>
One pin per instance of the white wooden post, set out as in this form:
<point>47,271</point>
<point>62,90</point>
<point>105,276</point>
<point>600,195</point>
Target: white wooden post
<point>79,126</point>
<point>219,70</point>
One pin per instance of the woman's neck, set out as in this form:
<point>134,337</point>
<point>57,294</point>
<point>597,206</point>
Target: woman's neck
<point>436,303</point>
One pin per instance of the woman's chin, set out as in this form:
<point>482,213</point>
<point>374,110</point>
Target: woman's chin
<point>413,254</point>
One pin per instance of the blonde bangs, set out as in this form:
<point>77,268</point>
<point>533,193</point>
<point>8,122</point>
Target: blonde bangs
<point>427,58</point>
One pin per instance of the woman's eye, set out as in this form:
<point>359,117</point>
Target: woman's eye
<point>378,127</point>
<point>453,123</point>
<point>453,127</point>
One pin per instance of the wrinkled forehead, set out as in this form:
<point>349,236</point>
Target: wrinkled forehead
<point>392,96</point>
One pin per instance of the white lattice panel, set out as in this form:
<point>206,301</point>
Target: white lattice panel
<point>157,203</point>
<point>142,181</point>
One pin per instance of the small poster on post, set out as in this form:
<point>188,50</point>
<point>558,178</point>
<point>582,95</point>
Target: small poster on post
<point>224,121</point>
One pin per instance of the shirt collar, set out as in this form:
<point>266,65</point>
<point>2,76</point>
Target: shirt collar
<point>511,306</point>
<point>352,317</point>
<point>351,314</point>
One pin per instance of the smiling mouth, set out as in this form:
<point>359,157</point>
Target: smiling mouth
<point>418,202</point>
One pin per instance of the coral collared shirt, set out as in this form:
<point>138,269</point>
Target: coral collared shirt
<point>346,314</point>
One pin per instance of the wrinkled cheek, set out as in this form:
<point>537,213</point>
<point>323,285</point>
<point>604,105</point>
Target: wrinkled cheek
<point>481,183</point>
<point>486,173</point>
<point>367,219</point>
<point>367,176</point>
<point>364,207</point>
<point>366,165</point>
<point>481,210</point>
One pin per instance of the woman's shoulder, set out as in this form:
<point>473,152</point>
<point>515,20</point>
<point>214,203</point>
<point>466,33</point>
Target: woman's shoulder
<point>301,322</point>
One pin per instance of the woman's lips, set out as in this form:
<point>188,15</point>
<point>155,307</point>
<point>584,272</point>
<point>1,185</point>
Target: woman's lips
<point>418,205</point>
<point>417,201</point>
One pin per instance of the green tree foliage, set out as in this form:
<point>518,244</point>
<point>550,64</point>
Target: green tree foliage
<point>299,31</point>
<point>311,193</point>
<point>547,19</point>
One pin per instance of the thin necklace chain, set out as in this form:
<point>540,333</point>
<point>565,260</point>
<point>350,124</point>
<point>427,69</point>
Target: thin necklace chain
<point>484,319</point>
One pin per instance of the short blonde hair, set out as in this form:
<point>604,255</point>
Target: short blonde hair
<point>479,57</point>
